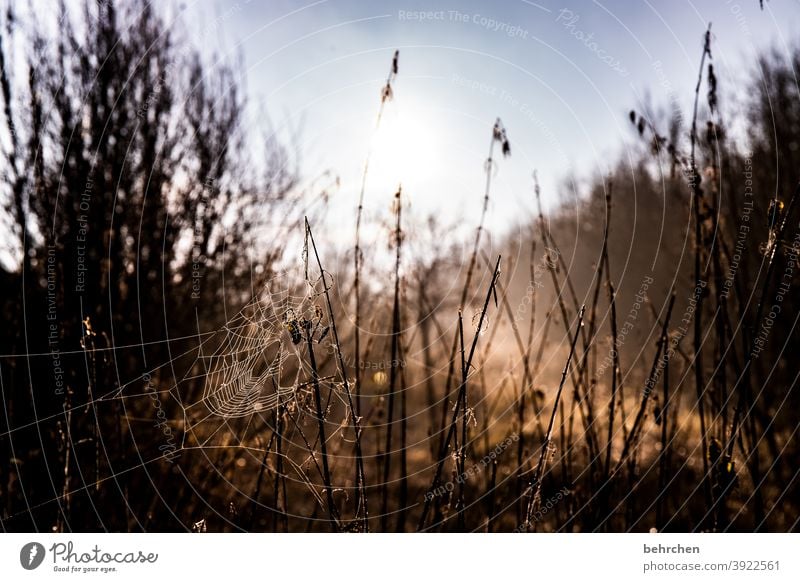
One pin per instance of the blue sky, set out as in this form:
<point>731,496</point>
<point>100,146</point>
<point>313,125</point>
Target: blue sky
<point>561,75</point>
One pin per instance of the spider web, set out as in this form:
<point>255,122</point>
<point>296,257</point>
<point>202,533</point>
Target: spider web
<point>232,379</point>
<point>245,372</point>
<point>252,365</point>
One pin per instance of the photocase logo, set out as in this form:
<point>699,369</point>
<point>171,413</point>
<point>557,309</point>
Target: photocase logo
<point>31,555</point>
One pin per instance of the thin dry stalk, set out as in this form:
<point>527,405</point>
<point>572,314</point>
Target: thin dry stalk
<point>362,508</point>
<point>403,499</point>
<point>536,481</point>
<point>663,460</point>
<point>612,300</point>
<point>332,513</point>
<point>491,495</point>
<point>393,376</point>
<point>577,400</point>
<point>460,401</point>
<point>661,353</point>
<point>387,93</point>
<point>697,194</point>
<point>498,136</point>
<point>462,454</point>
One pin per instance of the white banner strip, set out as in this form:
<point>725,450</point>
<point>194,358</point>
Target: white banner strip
<point>401,557</point>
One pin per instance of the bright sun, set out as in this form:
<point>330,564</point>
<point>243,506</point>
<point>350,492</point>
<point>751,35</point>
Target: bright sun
<point>404,149</point>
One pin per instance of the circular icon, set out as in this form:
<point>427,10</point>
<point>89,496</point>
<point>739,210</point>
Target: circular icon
<point>31,555</point>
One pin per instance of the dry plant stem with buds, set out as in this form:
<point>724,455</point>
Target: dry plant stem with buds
<point>386,95</point>
<point>498,136</point>
<point>697,195</point>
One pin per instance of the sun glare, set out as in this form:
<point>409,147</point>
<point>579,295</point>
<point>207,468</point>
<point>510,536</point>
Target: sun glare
<point>404,148</point>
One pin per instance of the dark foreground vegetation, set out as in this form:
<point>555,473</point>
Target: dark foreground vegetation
<point>183,349</point>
